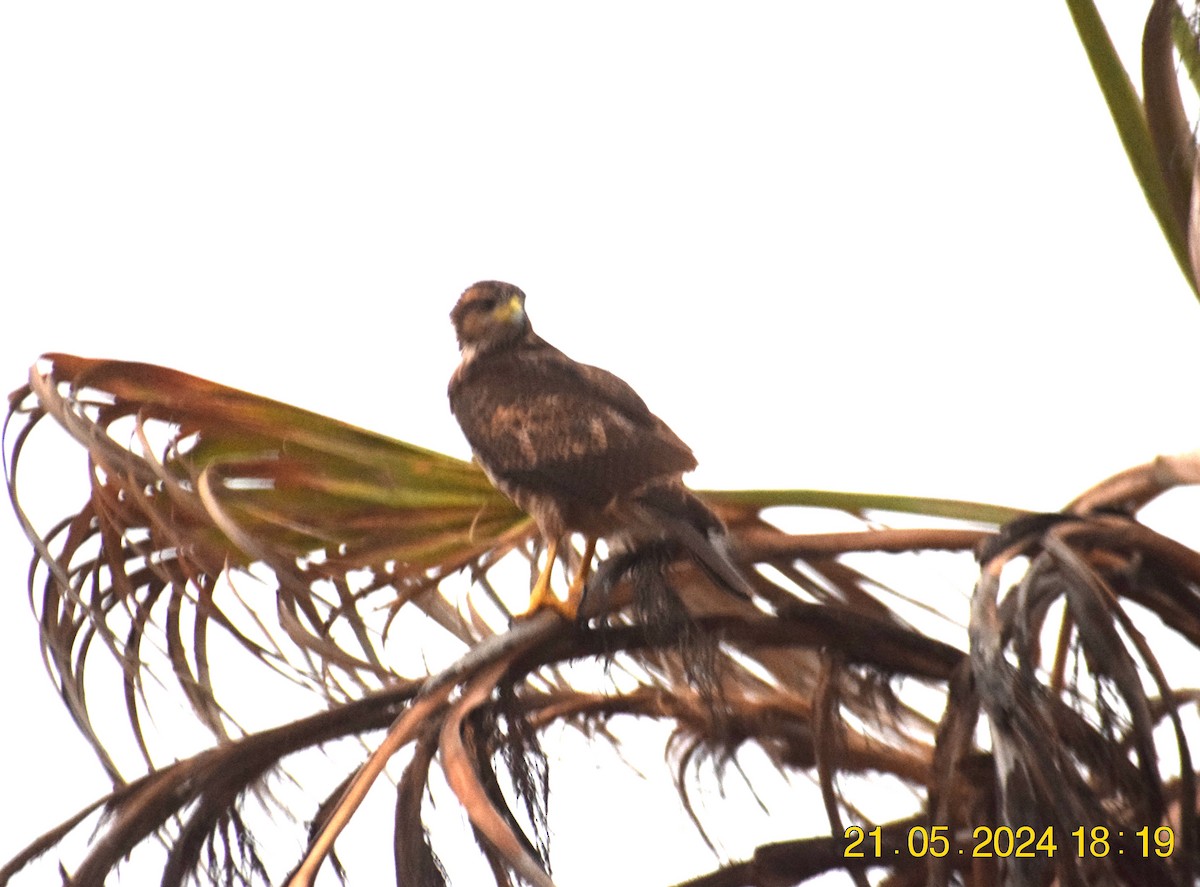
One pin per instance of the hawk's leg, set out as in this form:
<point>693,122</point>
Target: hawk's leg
<point>541,596</point>
<point>570,607</point>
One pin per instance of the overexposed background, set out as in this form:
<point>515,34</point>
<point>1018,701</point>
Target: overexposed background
<point>878,247</point>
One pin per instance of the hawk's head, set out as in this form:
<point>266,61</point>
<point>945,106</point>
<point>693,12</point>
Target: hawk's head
<point>489,314</point>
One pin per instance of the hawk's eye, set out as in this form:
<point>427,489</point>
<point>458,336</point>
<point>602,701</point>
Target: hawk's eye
<point>487,303</point>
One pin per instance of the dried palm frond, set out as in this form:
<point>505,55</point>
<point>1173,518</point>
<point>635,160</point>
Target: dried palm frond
<point>330,557</point>
<point>193,482</point>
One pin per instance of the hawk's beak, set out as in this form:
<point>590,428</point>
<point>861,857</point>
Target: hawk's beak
<point>510,310</point>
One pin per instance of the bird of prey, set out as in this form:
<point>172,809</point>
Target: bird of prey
<point>573,446</point>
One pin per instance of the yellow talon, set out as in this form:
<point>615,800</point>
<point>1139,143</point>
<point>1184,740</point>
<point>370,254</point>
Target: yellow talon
<point>570,607</point>
<point>542,597</point>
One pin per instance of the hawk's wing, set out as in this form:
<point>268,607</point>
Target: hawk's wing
<point>539,420</point>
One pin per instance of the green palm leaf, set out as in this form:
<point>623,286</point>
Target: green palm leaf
<point>1153,128</point>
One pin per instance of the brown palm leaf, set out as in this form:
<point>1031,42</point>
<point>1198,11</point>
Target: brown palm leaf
<point>218,520</point>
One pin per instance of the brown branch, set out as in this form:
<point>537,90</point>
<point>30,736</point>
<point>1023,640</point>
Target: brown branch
<point>493,652</point>
<point>464,781</point>
<point>760,544</point>
<point>791,862</point>
<point>1132,489</point>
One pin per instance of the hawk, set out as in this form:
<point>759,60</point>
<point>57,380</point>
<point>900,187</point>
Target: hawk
<point>573,446</point>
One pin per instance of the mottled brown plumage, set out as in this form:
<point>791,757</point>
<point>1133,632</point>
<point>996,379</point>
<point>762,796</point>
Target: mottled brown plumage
<point>571,444</point>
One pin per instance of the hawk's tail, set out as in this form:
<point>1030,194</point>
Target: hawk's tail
<point>683,518</point>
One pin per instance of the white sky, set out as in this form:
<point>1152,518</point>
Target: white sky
<point>882,247</point>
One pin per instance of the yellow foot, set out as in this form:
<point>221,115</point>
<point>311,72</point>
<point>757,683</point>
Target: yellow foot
<point>548,601</point>
<point>570,607</point>
<point>565,609</point>
<point>542,597</point>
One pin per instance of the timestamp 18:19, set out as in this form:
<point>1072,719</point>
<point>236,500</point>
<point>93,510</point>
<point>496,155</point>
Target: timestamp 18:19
<point>1003,841</point>
<point>1096,841</point>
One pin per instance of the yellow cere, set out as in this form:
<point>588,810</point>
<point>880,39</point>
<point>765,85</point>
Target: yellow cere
<point>510,309</point>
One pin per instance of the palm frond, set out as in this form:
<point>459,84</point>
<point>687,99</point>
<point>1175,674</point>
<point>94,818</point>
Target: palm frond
<point>373,574</point>
<point>1154,128</point>
<point>192,483</point>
